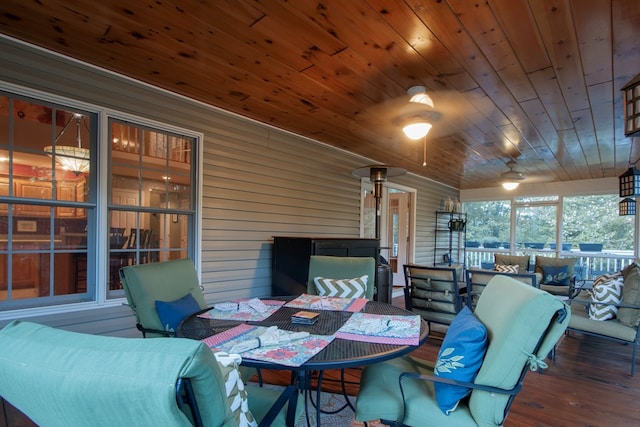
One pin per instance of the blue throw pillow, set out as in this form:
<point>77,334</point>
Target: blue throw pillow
<point>555,275</point>
<point>459,358</point>
<point>171,313</point>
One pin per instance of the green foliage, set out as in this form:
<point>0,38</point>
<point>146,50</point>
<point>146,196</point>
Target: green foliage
<point>585,219</point>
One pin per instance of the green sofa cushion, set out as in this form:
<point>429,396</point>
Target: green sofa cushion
<point>609,328</point>
<point>631,296</point>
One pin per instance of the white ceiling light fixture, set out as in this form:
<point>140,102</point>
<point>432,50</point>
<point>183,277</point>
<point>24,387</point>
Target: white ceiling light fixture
<point>71,158</point>
<point>417,129</point>
<point>511,178</point>
<point>417,125</point>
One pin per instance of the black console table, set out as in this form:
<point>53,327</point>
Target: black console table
<point>290,260</point>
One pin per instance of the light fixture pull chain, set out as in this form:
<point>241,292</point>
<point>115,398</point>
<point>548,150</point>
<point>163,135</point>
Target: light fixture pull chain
<point>424,157</point>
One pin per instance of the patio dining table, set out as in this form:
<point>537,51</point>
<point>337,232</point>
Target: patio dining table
<point>338,354</point>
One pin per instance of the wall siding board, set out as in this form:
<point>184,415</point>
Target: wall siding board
<point>258,182</point>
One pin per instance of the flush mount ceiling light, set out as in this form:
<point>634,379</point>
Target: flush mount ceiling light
<point>71,158</point>
<point>511,179</point>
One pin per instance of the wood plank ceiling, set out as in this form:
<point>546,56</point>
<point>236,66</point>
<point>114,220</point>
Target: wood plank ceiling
<point>537,81</point>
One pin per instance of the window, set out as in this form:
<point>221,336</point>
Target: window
<point>52,237</point>
<point>488,224</point>
<point>47,207</point>
<point>588,229</point>
<point>151,205</point>
<point>535,222</point>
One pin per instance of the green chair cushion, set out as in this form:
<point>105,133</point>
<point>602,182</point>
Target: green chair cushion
<point>516,317</point>
<point>164,281</point>
<point>66,379</point>
<point>61,378</point>
<point>380,396</point>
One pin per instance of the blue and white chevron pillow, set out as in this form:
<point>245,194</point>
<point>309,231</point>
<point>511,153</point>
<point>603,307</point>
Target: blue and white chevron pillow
<point>342,288</point>
<point>606,295</point>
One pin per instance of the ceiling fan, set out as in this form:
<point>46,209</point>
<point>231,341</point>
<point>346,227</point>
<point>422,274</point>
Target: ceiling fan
<point>511,178</point>
<point>417,114</point>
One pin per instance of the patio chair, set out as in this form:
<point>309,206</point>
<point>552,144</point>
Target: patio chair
<point>477,280</point>
<point>560,270</point>
<point>338,268</point>
<point>167,282</point>
<point>522,326</point>
<point>433,292</point>
<point>69,379</point>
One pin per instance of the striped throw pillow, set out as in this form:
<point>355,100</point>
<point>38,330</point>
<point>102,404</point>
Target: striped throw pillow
<point>502,268</point>
<point>606,294</point>
<point>342,288</point>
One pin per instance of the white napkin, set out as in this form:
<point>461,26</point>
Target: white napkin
<point>252,305</point>
<point>271,337</point>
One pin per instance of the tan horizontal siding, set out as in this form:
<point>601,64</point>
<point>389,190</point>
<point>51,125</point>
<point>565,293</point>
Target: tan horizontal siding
<point>258,182</point>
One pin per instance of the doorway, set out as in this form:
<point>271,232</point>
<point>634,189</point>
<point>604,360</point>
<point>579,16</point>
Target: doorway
<point>397,224</point>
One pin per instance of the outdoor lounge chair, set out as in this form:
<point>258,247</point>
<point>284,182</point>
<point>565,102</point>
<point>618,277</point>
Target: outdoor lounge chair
<point>522,324</point>
<point>69,379</point>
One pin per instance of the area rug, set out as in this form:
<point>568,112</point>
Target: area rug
<point>329,402</point>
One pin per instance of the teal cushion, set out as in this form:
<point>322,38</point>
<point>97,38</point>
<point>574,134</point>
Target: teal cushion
<point>557,275</point>
<point>171,313</point>
<point>460,358</point>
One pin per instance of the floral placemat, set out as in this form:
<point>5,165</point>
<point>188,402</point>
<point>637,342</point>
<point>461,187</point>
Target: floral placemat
<point>316,302</point>
<point>292,353</point>
<point>242,311</point>
<point>384,329</point>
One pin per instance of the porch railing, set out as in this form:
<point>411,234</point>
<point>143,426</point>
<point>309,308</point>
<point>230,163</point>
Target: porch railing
<point>588,266</point>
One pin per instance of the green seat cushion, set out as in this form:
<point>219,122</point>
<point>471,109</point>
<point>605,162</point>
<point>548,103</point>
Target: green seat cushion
<point>379,396</point>
<point>613,328</point>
